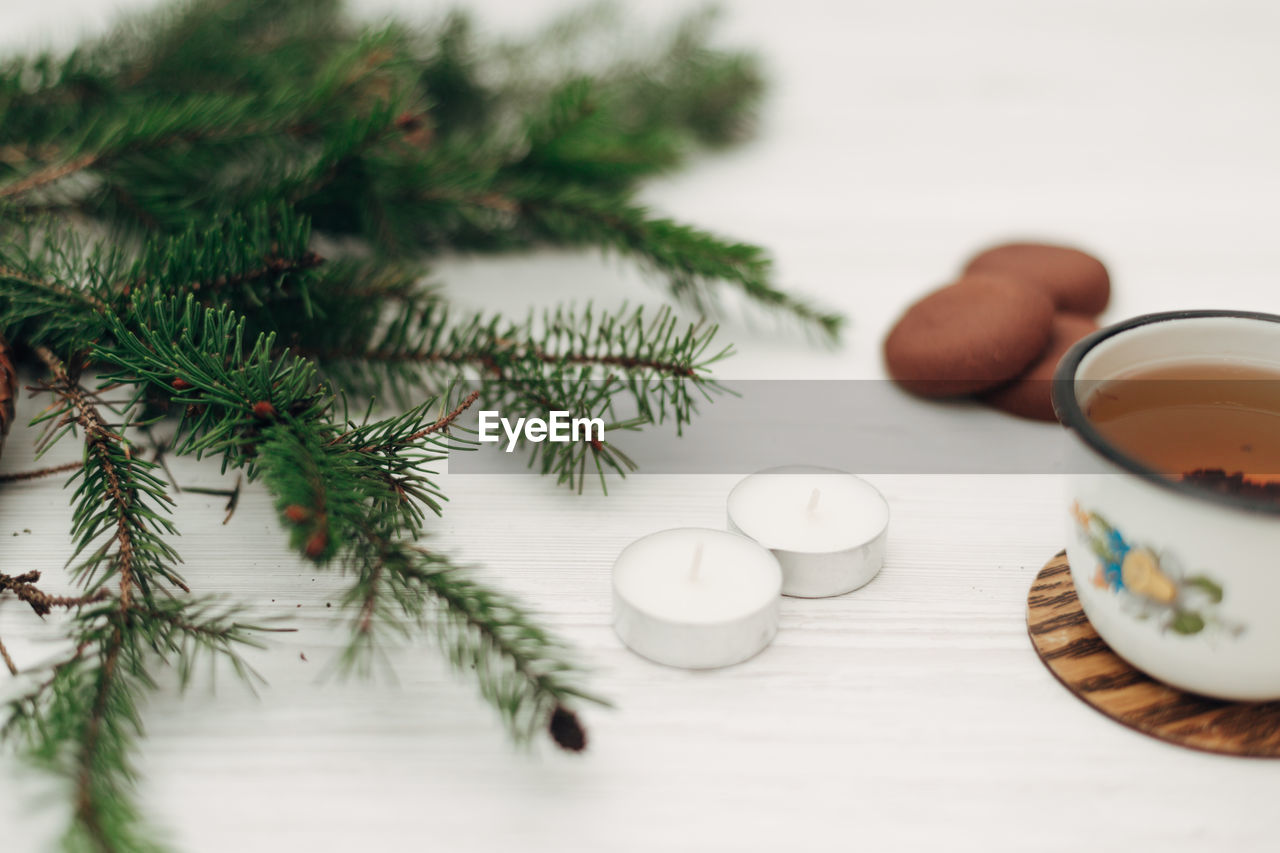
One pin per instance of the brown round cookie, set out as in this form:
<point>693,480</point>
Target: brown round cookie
<point>1028,396</point>
<point>1075,281</point>
<point>969,336</point>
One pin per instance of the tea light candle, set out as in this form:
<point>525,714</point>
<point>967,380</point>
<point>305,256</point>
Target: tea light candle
<point>696,598</point>
<point>827,528</point>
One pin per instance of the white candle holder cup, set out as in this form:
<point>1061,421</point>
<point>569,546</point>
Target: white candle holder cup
<point>696,598</point>
<point>827,528</point>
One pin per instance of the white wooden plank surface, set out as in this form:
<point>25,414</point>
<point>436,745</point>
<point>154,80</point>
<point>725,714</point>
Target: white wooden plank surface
<point>909,715</point>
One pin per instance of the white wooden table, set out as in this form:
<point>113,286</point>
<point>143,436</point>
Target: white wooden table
<point>909,715</point>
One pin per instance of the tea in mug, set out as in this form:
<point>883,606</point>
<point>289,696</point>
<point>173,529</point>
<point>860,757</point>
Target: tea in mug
<point>1212,423</point>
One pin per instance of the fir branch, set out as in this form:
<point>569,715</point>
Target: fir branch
<point>83,720</point>
<point>340,494</point>
<point>691,259</point>
<point>642,346</point>
<point>90,710</point>
<point>125,484</point>
<point>268,248</point>
<point>226,206</point>
<point>630,369</point>
<point>183,630</point>
<point>523,671</point>
<point>101,739</point>
<point>475,624</point>
<point>51,290</point>
<point>484,357</point>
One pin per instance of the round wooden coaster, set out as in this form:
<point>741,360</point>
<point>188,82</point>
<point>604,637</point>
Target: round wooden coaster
<point>1078,657</point>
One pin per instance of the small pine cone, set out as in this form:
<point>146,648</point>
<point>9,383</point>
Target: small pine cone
<point>317,542</point>
<point>8,388</point>
<point>408,120</point>
<point>180,384</point>
<point>263,410</point>
<point>297,513</point>
<point>415,129</point>
<point>566,730</point>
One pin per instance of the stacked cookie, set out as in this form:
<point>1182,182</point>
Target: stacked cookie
<point>999,331</point>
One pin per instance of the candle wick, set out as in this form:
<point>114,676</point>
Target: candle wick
<point>813,500</point>
<point>697,562</point>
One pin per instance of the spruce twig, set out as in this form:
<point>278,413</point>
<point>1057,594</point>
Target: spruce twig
<point>139,552</point>
<point>226,210</point>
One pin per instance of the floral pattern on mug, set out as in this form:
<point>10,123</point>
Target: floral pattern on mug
<point>1151,583</point>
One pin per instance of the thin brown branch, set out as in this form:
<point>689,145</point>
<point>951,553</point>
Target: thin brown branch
<point>53,287</point>
<point>233,500</point>
<point>492,202</point>
<point>23,587</point>
<point>622,361</point>
<point>485,359</point>
<point>448,419</point>
<point>48,175</point>
<point>226,634</point>
<point>438,425</point>
<point>271,265</point>
<point>232,495</point>
<point>189,627</point>
<point>365,621</point>
<point>8,661</point>
<point>19,476</point>
<point>57,171</point>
